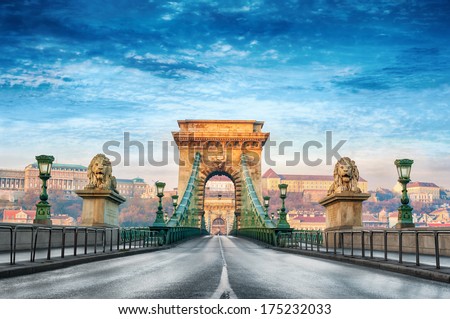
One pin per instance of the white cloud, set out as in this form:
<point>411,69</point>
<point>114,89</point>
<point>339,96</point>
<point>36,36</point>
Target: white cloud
<point>221,50</point>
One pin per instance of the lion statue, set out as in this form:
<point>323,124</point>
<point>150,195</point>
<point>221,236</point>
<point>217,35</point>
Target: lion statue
<point>346,176</point>
<point>100,174</point>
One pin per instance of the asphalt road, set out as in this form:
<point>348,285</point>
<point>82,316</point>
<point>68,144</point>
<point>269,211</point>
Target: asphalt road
<point>219,267</point>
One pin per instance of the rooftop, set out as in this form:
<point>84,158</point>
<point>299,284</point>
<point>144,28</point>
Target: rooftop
<point>11,213</point>
<point>59,166</point>
<point>310,219</point>
<point>422,184</point>
<point>270,173</point>
<point>130,181</point>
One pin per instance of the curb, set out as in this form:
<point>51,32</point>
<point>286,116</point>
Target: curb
<point>406,268</point>
<point>28,268</point>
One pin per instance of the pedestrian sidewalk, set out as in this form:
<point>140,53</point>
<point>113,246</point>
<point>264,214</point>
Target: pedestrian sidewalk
<point>24,266</point>
<point>426,269</point>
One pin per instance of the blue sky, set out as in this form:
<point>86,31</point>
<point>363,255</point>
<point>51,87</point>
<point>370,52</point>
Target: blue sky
<point>76,74</point>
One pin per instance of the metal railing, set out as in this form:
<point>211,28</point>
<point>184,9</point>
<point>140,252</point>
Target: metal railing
<point>89,239</point>
<point>379,244</point>
<point>266,235</point>
<point>301,239</point>
<point>363,238</point>
<point>175,234</point>
<point>140,236</point>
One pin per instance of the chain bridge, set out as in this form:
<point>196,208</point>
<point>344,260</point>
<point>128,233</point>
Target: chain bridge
<point>260,257</point>
<point>231,148</point>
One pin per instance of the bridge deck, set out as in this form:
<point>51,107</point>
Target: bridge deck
<point>214,267</point>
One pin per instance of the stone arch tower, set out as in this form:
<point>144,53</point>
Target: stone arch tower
<point>221,144</point>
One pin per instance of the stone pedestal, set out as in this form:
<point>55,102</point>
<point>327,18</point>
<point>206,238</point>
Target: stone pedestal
<point>344,210</point>
<point>100,207</point>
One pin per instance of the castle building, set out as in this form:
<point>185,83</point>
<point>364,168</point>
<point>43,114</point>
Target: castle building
<point>11,179</point>
<point>12,183</point>
<point>135,187</point>
<point>65,177</point>
<point>313,187</point>
<point>423,192</point>
<point>420,191</point>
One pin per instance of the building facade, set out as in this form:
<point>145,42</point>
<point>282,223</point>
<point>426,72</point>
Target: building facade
<point>65,177</point>
<point>307,220</point>
<point>19,216</point>
<point>219,215</point>
<point>314,187</point>
<point>220,184</point>
<point>423,192</point>
<point>11,179</point>
<point>133,188</point>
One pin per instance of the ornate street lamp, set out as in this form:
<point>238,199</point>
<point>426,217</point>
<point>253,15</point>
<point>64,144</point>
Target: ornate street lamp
<point>43,207</point>
<point>282,222</point>
<point>159,221</point>
<point>174,202</point>
<point>404,211</point>
<point>266,207</point>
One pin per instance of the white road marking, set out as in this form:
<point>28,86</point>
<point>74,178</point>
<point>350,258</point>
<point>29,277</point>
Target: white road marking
<point>224,290</point>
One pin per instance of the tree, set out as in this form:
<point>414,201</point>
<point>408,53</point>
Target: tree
<point>29,200</point>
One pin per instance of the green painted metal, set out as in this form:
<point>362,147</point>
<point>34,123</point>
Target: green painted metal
<point>160,221</point>
<point>254,213</point>
<point>142,235</point>
<point>254,221</point>
<point>300,238</point>
<point>43,207</point>
<point>184,222</point>
<point>183,215</point>
<point>175,234</point>
<point>282,222</point>
<point>266,235</point>
<point>405,219</point>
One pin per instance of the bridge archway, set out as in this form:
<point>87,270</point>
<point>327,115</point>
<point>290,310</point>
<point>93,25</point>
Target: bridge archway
<point>206,175</point>
<point>218,227</point>
<point>219,201</point>
<point>221,144</point>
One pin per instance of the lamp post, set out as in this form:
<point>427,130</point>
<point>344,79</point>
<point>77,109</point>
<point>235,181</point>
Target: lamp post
<point>282,222</point>
<point>175,204</point>
<point>43,207</point>
<point>159,221</point>
<point>404,211</point>
<point>266,207</point>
